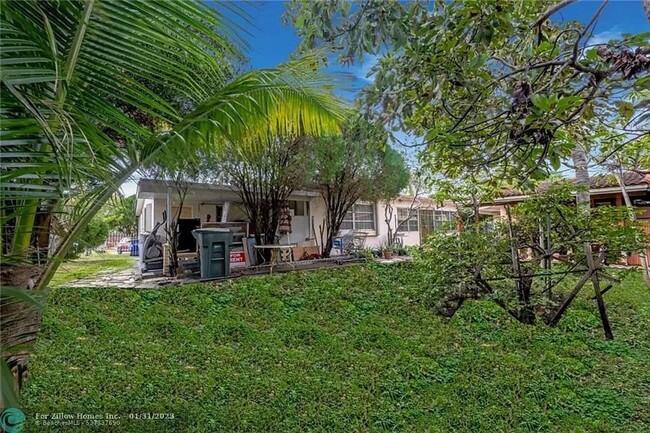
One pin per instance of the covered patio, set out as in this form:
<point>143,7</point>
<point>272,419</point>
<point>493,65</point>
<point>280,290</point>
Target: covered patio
<point>214,206</point>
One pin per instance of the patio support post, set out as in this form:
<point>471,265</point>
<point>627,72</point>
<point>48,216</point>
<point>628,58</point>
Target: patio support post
<point>224,212</point>
<point>310,219</point>
<point>168,208</point>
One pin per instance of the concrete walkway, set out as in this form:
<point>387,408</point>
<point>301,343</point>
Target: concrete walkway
<point>126,279</point>
<point>123,279</point>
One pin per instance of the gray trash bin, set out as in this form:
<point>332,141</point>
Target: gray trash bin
<point>214,245</point>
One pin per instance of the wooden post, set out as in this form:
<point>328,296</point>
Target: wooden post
<point>576,289</point>
<point>599,297</point>
<point>166,259</point>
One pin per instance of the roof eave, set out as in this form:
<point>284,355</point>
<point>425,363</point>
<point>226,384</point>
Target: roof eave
<point>595,191</point>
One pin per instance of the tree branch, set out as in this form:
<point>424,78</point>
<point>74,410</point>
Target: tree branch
<point>550,11</point>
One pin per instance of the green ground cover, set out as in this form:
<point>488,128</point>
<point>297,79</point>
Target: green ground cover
<point>349,349</point>
<point>90,266</point>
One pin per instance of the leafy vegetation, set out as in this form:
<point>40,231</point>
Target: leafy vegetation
<point>264,177</point>
<point>510,261</point>
<point>94,90</point>
<point>120,214</point>
<point>88,100</point>
<point>356,165</point>
<point>505,89</point>
<point>351,349</point>
<point>92,236</point>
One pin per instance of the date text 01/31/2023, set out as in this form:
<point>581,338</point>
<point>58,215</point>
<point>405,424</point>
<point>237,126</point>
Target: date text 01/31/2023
<point>60,416</point>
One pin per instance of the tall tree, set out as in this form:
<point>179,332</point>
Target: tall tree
<point>73,97</point>
<point>493,86</point>
<point>500,88</point>
<point>120,214</point>
<point>357,165</point>
<point>264,176</point>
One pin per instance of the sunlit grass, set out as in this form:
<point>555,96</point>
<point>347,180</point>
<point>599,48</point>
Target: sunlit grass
<point>90,266</point>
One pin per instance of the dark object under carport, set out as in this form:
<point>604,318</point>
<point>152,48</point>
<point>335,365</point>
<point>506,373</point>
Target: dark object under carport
<point>135,247</point>
<point>214,246</point>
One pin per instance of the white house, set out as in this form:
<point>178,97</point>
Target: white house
<point>221,203</point>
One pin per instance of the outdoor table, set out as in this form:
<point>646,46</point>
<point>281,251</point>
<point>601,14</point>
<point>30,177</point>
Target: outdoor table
<point>277,253</point>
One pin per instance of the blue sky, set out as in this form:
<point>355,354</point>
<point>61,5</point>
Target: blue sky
<point>271,43</point>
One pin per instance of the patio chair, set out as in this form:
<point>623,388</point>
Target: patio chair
<point>358,241</point>
<point>342,242</point>
<point>350,242</point>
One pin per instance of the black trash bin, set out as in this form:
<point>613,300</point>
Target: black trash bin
<point>214,245</point>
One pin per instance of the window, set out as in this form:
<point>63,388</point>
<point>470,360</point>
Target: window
<point>360,217</point>
<point>298,207</point>
<point>404,223</point>
<point>218,213</point>
<point>444,220</point>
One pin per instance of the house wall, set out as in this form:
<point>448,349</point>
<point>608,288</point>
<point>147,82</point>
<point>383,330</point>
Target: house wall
<point>306,229</point>
<point>378,236</point>
<point>145,220</point>
<point>199,208</point>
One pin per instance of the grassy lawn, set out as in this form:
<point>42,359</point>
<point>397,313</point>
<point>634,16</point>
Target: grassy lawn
<point>337,350</point>
<point>90,266</point>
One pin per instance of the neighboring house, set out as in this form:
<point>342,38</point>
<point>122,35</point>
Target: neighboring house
<point>604,190</point>
<point>307,208</point>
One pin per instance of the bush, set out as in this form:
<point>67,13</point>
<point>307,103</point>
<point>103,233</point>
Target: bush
<point>506,262</point>
<point>92,236</point>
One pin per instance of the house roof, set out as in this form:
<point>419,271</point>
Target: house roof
<point>157,188</point>
<point>600,183</point>
<point>424,202</point>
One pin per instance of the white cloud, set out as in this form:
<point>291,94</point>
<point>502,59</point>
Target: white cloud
<point>362,70</point>
<point>606,36</point>
<point>129,187</point>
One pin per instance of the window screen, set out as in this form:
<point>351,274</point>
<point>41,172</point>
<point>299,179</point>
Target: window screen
<point>404,223</point>
<point>360,217</point>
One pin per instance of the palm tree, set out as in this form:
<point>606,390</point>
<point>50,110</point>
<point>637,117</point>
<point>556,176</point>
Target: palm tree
<point>94,89</point>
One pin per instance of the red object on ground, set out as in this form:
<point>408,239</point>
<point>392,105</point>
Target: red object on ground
<point>237,257</point>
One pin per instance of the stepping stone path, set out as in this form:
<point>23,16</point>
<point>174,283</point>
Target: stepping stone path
<point>108,278</point>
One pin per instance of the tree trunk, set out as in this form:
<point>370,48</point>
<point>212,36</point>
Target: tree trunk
<point>327,248</point>
<point>19,322</point>
<point>583,201</point>
<point>579,157</point>
<point>628,203</point>
<point>331,230</point>
<point>388,219</point>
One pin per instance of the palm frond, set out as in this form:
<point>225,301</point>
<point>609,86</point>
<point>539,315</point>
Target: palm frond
<point>78,78</point>
<point>93,88</point>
